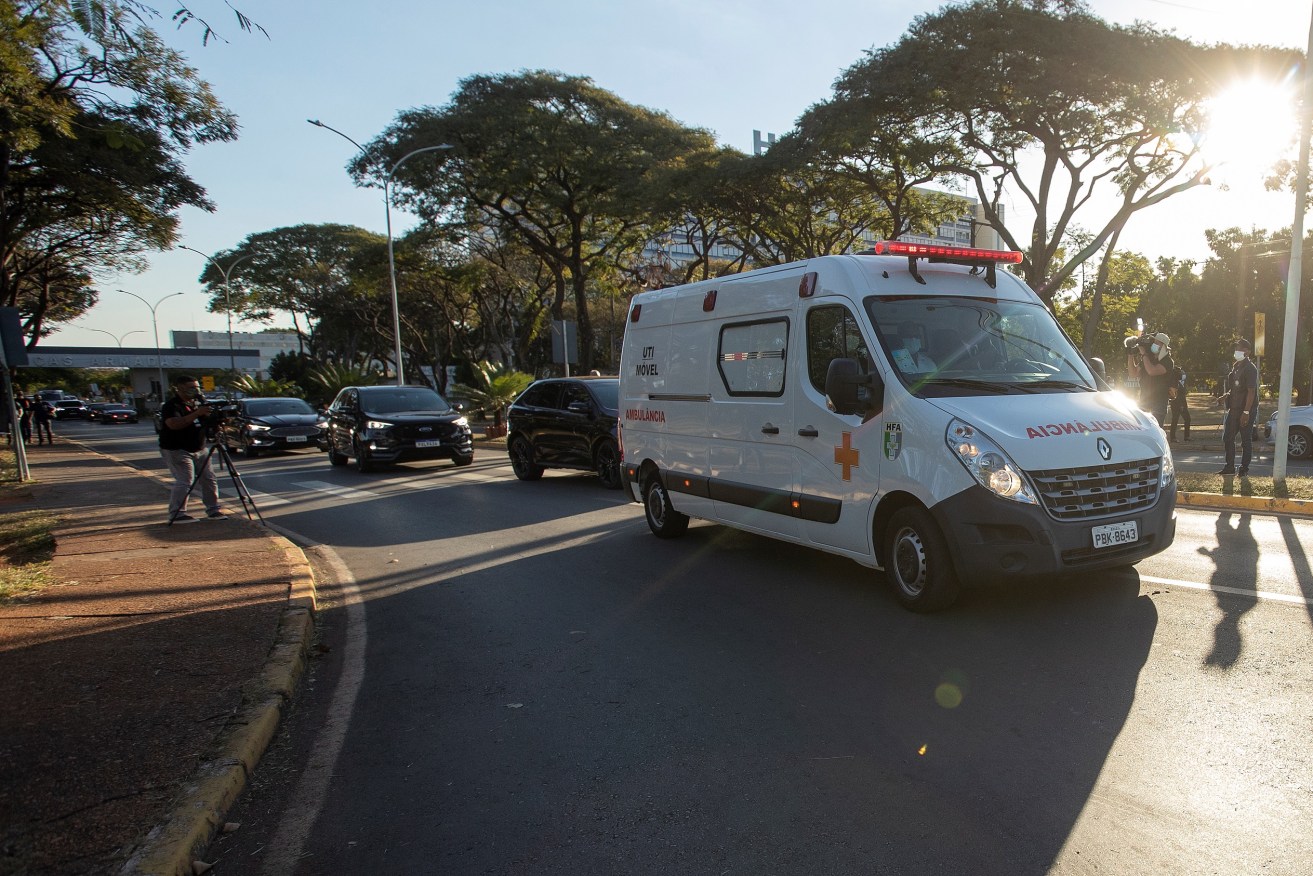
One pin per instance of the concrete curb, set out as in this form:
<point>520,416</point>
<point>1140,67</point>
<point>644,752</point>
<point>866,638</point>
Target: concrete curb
<point>199,810</point>
<point>1258,504</point>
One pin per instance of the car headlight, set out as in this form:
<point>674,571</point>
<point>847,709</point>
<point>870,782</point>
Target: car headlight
<point>462,423</point>
<point>257,427</point>
<point>377,425</point>
<point>1168,474</point>
<point>987,462</point>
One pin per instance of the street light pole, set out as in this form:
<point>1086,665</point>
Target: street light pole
<point>159,359</point>
<point>387,206</point>
<point>227,296</point>
<point>118,339</point>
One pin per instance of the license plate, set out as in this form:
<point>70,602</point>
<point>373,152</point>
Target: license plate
<point>1113,534</point>
<point>294,439</point>
<point>428,442</point>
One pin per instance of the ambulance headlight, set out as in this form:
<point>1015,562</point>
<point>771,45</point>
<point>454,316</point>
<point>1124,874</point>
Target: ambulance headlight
<point>1167,476</point>
<point>988,464</point>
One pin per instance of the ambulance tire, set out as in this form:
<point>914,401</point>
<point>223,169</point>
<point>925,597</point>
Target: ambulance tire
<point>662,518</point>
<point>917,561</point>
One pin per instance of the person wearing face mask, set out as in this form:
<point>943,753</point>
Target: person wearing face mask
<point>909,357</point>
<point>1240,400</point>
<point>1151,362</point>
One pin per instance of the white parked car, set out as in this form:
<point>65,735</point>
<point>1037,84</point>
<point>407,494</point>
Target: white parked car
<point>1300,443</point>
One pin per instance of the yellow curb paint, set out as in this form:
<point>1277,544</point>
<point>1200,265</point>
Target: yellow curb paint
<point>1260,504</point>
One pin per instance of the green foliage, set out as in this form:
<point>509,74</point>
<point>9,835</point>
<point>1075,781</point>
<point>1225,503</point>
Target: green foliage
<point>494,388</point>
<point>266,388</point>
<point>328,380</point>
<point>95,116</point>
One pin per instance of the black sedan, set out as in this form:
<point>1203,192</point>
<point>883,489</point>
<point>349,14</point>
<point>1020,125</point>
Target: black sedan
<point>385,424</point>
<point>68,409</point>
<point>107,414</point>
<point>260,425</point>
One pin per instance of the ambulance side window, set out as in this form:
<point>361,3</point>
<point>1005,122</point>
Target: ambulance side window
<point>832,333</point>
<point>751,357</point>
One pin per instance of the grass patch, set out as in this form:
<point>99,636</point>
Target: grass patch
<point>27,545</point>
<point>1263,488</point>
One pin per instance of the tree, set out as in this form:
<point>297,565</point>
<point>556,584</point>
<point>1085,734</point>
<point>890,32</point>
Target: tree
<point>95,114</point>
<point>1053,104</point>
<point>554,160</point>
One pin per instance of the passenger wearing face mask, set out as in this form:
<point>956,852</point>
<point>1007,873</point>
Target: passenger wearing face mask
<point>1240,400</point>
<point>1152,363</point>
<point>909,357</point>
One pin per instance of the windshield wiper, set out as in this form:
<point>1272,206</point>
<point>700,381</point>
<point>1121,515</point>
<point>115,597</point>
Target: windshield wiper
<point>1063,384</point>
<point>971,383</point>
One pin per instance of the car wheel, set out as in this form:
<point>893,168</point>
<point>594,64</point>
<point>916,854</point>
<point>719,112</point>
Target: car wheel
<point>362,457</point>
<point>606,461</point>
<point>462,460</point>
<point>917,562</point>
<point>662,518</point>
<point>1300,443</point>
<point>522,461</point>
<point>335,458</point>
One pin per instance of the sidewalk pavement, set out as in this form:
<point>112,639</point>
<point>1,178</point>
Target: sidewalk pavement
<point>141,690</point>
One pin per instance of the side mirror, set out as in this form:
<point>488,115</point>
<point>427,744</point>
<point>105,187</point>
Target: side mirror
<point>852,391</point>
<point>579,407</point>
<point>1100,372</point>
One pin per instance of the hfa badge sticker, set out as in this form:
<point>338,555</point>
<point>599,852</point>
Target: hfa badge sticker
<point>893,440</point>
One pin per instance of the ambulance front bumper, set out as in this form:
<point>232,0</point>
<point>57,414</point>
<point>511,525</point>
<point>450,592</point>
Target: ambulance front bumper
<point>993,539</point>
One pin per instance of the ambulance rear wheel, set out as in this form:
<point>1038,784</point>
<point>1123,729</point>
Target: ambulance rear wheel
<point>917,561</point>
<point>662,518</point>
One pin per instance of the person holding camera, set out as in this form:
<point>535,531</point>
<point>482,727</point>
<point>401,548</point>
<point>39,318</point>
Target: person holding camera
<point>182,440</point>
<point>1149,358</point>
<point>1240,401</point>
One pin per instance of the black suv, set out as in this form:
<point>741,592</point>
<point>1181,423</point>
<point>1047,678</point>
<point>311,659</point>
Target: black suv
<point>386,424</point>
<point>566,422</point>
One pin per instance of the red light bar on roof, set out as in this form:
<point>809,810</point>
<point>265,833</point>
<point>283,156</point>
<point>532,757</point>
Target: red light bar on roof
<point>954,253</point>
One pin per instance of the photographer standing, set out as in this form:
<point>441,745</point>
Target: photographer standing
<point>1149,358</point>
<point>182,440</point>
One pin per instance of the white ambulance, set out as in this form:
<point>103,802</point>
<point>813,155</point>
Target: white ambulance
<point>916,409</point>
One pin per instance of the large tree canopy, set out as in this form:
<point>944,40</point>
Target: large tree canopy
<point>553,160</point>
<point>1052,104</point>
<point>95,116</point>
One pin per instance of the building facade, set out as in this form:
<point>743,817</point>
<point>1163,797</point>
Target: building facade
<point>267,344</point>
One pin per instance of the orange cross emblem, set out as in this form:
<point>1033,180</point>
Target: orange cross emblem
<point>847,456</point>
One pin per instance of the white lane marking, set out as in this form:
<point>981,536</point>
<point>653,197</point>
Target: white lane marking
<point>326,487</point>
<point>256,496</point>
<point>284,853</point>
<point>1237,591</point>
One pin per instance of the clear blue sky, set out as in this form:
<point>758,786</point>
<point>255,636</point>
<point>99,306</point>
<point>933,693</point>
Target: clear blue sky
<point>731,66</point>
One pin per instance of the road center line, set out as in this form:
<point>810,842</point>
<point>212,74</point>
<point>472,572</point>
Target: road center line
<point>1236,591</point>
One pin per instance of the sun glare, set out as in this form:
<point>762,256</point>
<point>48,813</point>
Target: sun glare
<point>1251,125</point>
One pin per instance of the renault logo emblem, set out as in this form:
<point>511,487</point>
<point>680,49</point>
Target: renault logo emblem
<point>1105,449</point>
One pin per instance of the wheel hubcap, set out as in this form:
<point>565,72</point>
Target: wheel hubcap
<point>909,562</point>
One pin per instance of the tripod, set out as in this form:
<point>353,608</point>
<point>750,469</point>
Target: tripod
<point>239,486</point>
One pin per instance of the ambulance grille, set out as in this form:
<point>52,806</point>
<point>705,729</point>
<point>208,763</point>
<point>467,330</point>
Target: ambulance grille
<point>1098,491</point>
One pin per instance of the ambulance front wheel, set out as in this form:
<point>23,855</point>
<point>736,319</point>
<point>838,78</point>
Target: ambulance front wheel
<point>662,518</point>
<point>917,562</point>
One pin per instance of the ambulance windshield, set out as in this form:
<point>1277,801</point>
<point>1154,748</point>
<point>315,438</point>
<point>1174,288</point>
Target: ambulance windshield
<point>949,346</point>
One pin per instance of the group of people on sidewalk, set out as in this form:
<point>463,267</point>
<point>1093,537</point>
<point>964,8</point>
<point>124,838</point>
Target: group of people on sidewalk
<point>1163,386</point>
<point>32,414</point>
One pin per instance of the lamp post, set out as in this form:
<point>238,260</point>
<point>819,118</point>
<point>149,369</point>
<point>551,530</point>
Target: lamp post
<point>159,359</point>
<point>227,296</point>
<point>387,206</point>
<point>118,339</point>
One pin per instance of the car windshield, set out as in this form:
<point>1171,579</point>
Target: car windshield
<point>272,407</point>
<point>607,393</point>
<point>403,400</point>
<point>949,346</point>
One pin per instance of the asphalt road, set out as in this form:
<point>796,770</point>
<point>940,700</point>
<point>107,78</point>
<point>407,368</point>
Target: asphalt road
<point>520,678</point>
